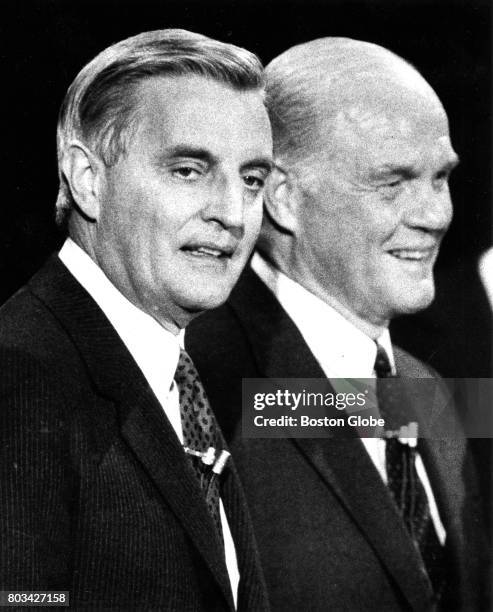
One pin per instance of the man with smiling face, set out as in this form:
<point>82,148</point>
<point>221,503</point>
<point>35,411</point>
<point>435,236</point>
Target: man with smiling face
<point>114,479</point>
<point>355,211</point>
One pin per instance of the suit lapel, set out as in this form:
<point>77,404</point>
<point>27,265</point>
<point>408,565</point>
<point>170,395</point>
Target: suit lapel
<point>343,464</point>
<point>154,442</point>
<point>279,348</point>
<point>251,589</point>
<point>444,461</point>
<point>143,423</point>
<point>450,473</point>
<point>443,448</point>
<point>347,469</point>
<point>442,444</point>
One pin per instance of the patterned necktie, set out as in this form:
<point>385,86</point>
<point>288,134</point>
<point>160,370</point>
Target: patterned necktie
<point>200,432</point>
<point>402,478</point>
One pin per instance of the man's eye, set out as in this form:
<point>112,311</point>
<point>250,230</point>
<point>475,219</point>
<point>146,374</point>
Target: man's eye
<point>394,183</point>
<point>254,183</point>
<point>186,173</point>
<point>391,188</point>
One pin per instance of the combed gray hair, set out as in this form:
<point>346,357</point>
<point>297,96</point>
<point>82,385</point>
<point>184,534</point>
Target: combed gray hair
<point>307,85</point>
<point>100,107</point>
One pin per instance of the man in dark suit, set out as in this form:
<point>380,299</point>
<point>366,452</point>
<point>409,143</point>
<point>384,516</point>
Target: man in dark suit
<point>113,481</point>
<point>354,214</point>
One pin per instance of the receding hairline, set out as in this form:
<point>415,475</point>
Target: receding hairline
<point>308,85</point>
<point>139,92</point>
<point>141,57</point>
<point>337,55</point>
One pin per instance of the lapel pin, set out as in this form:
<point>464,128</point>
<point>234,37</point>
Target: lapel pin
<point>406,434</point>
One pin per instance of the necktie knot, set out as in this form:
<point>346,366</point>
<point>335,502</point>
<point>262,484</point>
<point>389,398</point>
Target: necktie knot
<point>199,427</point>
<point>392,402</point>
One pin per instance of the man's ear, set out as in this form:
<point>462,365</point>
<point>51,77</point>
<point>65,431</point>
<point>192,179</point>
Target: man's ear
<point>280,199</point>
<point>84,173</point>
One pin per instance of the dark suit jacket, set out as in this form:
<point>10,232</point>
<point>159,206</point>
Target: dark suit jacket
<point>328,532</point>
<point>96,494</point>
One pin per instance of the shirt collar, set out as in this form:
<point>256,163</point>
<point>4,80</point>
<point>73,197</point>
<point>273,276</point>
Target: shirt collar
<point>342,350</point>
<point>155,349</point>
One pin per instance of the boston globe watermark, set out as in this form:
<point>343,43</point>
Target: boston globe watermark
<point>342,407</point>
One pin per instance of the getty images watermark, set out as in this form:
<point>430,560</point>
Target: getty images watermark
<point>342,407</point>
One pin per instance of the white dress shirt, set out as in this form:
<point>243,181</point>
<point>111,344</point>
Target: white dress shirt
<point>342,350</point>
<point>154,349</point>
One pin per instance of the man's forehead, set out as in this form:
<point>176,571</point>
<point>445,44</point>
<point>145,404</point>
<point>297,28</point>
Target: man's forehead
<point>157,97</point>
<point>364,121</point>
<point>194,110</point>
<point>369,96</point>
<point>161,95</point>
<point>362,143</point>
<point>391,143</point>
<point>385,118</point>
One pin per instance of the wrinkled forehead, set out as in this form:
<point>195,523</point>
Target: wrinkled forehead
<point>379,89</point>
<point>386,114</point>
<point>379,110</point>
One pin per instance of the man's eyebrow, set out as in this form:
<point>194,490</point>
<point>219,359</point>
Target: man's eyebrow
<point>267,163</point>
<point>185,151</point>
<point>408,170</point>
<point>405,170</point>
<point>206,156</point>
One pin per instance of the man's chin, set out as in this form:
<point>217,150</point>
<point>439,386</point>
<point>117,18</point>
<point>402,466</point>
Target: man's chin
<point>201,303</point>
<point>416,302</point>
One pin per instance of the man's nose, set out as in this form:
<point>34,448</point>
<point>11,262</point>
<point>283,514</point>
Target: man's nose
<point>226,203</point>
<point>431,209</point>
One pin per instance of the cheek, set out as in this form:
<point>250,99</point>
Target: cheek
<point>161,223</point>
<point>124,211</point>
<point>376,220</point>
<point>116,227</point>
<point>252,221</point>
<point>150,239</point>
<point>255,219</point>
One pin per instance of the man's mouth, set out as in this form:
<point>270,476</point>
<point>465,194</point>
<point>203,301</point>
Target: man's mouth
<point>209,250</point>
<point>412,254</point>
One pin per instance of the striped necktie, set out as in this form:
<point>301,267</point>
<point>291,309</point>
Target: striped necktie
<point>403,481</point>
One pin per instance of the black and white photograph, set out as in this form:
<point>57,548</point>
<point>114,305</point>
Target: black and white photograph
<point>213,212</point>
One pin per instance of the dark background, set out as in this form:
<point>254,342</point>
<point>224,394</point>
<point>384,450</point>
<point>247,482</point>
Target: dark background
<point>46,42</point>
